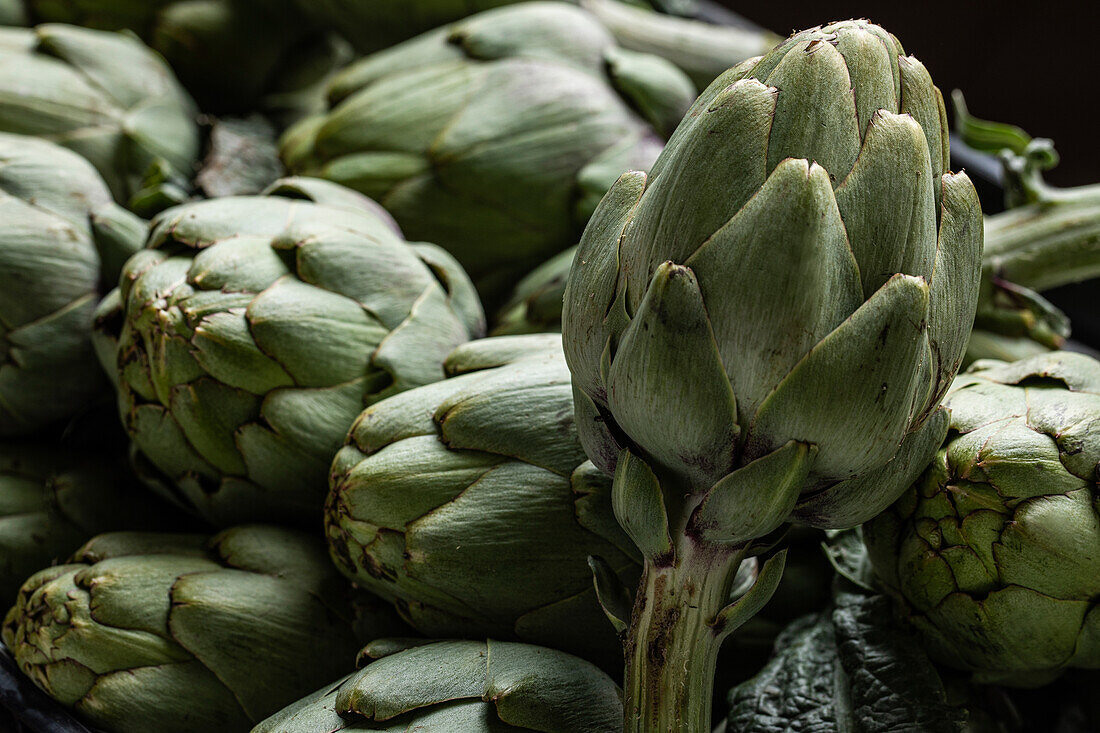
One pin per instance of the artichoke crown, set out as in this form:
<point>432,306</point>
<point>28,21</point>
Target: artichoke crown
<point>995,549</point>
<point>51,273</point>
<point>496,136</point>
<point>792,286</point>
<point>103,95</point>
<point>469,686</point>
<point>137,617</point>
<point>470,504</point>
<point>252,330</point>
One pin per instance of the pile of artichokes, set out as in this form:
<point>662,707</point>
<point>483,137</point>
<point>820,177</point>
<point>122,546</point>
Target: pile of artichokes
<point>573,367</point>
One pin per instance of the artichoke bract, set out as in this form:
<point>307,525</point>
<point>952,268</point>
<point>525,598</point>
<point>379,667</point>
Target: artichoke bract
<point>535,304</point>
<point>53,499</point>
<point>103,95</point>
<point>468,686</point>
<point>994,553</point>
<point>179,632</point>
<point>251,332</point>
<point>494,137</point>
<point>762,329</point>
<point>228,53</point>
<point>62,239</point>
<point>469,503</point>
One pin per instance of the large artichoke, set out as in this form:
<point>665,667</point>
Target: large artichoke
<point>761,331</point>
<point>171,632</point>
<point>253,330</point>
<point>453,686</point>
<point>103,95</point>
<point>228,53</point>
<point>994,553</point>
<point>470,504</point>
<point>62,239</point>
<point>494,137</point>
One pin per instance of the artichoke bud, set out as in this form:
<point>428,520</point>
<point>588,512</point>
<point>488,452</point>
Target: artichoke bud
<point>470,505</point>
<point>252,330</point>
<point>472,686</point>
<point>496,136</point>
<point>992,552</point>
<point>143,615</point>
<point>105,96</point>
<point>817,283</point>
<point>62,239</point>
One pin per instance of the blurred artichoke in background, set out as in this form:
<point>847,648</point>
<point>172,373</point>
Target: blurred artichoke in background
<point>62,239</point>
<point>103,95</point>
<point>535,305</point>
<point>494,137</point>
<point>376,24</point>
<point>172,632</point>
<point>994,553</point>
<point>700,50</point>
<point>54,498</point>
<point>467,686</point>
<point>253,330</point>
<point>470,504</point>
<point>229,54</point>
<point>761,331</point>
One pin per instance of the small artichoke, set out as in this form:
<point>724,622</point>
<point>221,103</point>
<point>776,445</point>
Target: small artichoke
<point>62,239</point>
<point>53,499</point>
<point>171,632</point>
<point>762,329</point>
<point>467,686</point>
<point>103,95</point>
<point>250,333</point>
<point>470,504</point>
<point>535,305</point>
<point>994,553</point>
<point>228,53</point>
<point>494,137</point>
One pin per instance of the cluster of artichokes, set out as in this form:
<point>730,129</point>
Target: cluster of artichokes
<point>468,344</point>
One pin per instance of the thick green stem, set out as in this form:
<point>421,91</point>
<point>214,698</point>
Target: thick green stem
<point>1042,246</point>
<point>672,648</point>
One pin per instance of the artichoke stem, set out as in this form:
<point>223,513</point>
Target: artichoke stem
<point>673,641</point>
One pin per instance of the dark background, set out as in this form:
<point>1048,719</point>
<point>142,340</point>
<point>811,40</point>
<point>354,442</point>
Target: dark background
<point>1035,64</point>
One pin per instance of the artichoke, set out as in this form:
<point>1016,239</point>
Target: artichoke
<point>994,552</point>
<point>103,95</point>
<point>470,504</point>
<point>761,331</point>
<point>55,498</point>
<point>252,330</point>
<point>61,239</point>
<point>467,686</point>
<point>228,53</point>
<point>535,305</point>
<point>494,137</point>
<point>172,632</point>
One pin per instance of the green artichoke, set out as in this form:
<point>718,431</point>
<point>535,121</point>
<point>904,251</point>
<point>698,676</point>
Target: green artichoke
<point>467,686</point>
<point>761,331</point>
<point>54,498</point>
<point>700,50</point>
<point>994,553</point>
<point>494,137</point>
<point>61,239</point>
<point>250,333</point>
<point>470,504</point>
<point>103,95</point>
<point>535,305</point>
<point>172,632</point>
<point>376,24</point>
<point>228,53</point>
